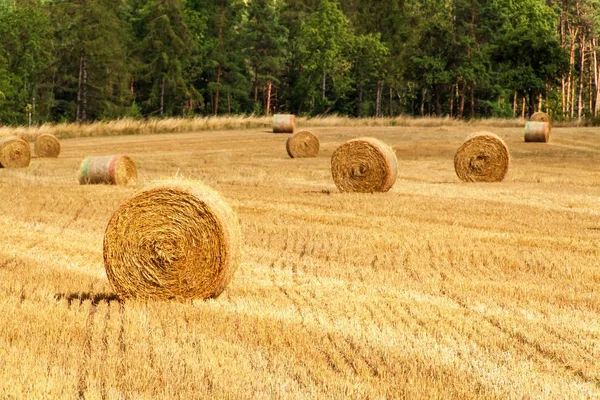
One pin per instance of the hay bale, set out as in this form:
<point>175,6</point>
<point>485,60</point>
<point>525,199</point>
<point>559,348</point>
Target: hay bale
<point>284,123</point>
<point>483,157</point>
<point>14,153</point>
<point>175,240</point>
<point>112,170</point>
<point>303,145</point>
<point>47,145</point>
<point>364,165</point>
<point>537,131</point>
<point>541,117</point>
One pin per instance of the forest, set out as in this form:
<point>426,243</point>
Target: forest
<point>88,60</point>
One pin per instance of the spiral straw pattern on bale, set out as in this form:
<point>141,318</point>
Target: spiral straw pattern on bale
<point>284,123</point>
<point>14,153</point>
<point>176,240</point>
<point>541,117</point>
<point>483,157</point>
<point>537,131</point>
<point>47,146</point>
<point>364,165</point>
<point>111,170</point>
<point>303,145</point>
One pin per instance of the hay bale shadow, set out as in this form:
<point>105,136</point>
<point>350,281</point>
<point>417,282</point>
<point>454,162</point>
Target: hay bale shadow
<point>95,298</point>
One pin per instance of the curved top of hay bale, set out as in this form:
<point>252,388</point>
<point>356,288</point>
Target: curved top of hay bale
<point>175,240</point>
<point>364,165</point>
<point>483,157</point>
<point>46,145</point>
<point>14,153</point>
<point>302,145</point>
<point>541,117</point>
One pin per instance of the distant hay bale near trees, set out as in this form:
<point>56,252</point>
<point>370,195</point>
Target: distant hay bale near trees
<point>284,123</point>
<point>483,157</point>
<point>303,145</point>
<point>364,165</point>
<point>14,153</point>
<point>46,146</point>
<point>541,117</point>
<point>112,170</point>
<point>537,131</point>
<point>176,240</point>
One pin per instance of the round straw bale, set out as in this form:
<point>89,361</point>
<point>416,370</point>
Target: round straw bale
<point>364,165</point>
<point>483,157</point>
<point>14,153</point>
<point>284,123</point>
<point>47,145</point>
<point>303,145</point>
<point>541,117</point>
<point>176,240</point>
<point>113,170</point>
<point>537,131</point>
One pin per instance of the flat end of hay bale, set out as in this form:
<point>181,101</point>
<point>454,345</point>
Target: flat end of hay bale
<point>284,123</point>
<point>364,165</point>
<point>303,145</point>
<point>14,153</point>
<point>537,131</point>
<point>109,170</point>
<point>175,240</point>
<point>46,146</point>
<point>483,157</point>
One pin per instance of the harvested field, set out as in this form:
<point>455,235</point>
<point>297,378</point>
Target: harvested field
<point>435,289</point>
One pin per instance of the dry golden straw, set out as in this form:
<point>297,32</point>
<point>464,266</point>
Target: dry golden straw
<point>14,153</point>
<point>46,145</point>
<point>537,131</point>
<point>303,145</point>
<point>541,117</point>
<point>284,123</point>
<point>483,157</point>
<point>112,170</point>
<point>364,165</point>
<point>176,240</point>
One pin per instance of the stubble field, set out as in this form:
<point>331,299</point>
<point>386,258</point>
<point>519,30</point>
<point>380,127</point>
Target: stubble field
<point>436,289</point>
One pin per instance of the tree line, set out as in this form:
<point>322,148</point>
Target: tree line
<point>84,60</point>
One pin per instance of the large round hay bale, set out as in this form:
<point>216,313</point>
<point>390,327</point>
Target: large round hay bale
<point>284,123</point>
<point>175,240</point>
<point>541,117</point>
<point>46,145</point>
<point>537,131</point>
<point>14,153</point>
<point>303,145</point>
<point>483,157</point>
<point>112,170</point>
<point>364,165</point>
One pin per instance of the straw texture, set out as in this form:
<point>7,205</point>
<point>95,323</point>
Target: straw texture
<point>111,170</point>
<point>541,117</point>
<point>537,131</point>
<point>177,240</point>
<point>46,146</point>
<point>14,153</point>
<point>303,145</point>
<point>364,165</point>
<point>483,157</point>
<point>284,123</point>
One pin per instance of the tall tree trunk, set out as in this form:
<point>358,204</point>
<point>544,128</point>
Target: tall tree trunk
<point>216,107</point>
<point>269,88</point>
<point>596,78</point>
<point>423,94</point>
<point>473,101</point>
<point>378,100</point>
<point>570,87</point>
<point>162,97</point>
<point>461,106</point>
<point>78,112</point>
<point>84,98</point>
<point>391,101</point>
<point>540,100</point>
<point>229,103</point>
<point>580,105</point>
<point>515,105</point>
<point>324,85</point>
<point>438,105</point>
